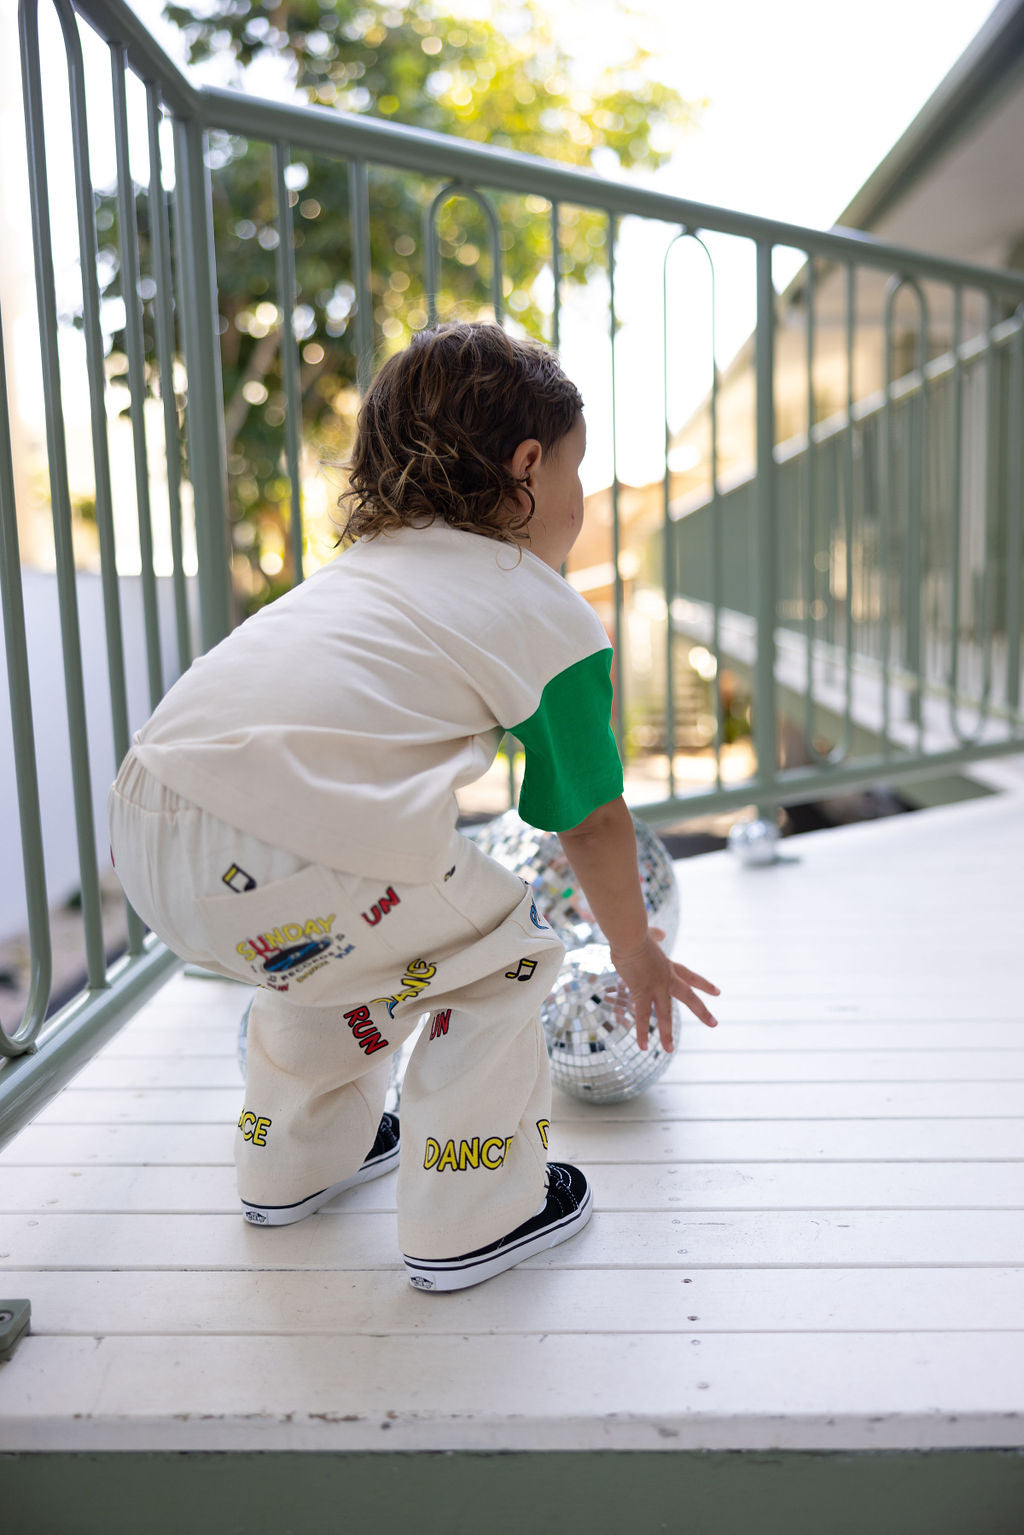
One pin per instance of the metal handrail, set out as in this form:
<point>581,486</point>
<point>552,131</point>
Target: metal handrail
<point>185,313</point>
<point>323,130</point>
<point>350,136</point>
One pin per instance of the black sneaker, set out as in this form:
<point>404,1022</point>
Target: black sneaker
<point>380,1159</point>
<point>567,1209</point>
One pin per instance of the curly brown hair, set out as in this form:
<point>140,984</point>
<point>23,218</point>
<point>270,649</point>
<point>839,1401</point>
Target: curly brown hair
<point>438,425</point>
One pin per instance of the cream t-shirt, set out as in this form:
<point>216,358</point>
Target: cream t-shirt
<point>338,721</point>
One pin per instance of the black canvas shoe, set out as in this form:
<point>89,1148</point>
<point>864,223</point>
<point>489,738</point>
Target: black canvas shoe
<point>567,1209</point>
<point>380,1159</point>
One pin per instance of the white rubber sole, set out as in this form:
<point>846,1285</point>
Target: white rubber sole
<point>287,1215</point>
<point>446,1274</point>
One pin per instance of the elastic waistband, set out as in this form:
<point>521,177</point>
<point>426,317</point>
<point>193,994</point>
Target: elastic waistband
<point>137,785</point>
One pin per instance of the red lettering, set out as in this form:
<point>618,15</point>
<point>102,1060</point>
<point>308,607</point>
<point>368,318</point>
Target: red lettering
<point>363,1030</point>
<point>382,907</point>
<point>440,1023</point>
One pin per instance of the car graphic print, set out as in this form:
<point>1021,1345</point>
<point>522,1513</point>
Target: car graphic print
<point>292,952</point>
<point>286,960</point>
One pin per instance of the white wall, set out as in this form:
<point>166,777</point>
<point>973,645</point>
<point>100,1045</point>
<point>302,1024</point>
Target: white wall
<point>53,758</point>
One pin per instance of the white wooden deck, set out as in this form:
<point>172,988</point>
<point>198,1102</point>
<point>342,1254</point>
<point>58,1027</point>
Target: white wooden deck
<point>810,1235</point>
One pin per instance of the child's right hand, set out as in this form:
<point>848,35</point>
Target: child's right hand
<point>653,980</point>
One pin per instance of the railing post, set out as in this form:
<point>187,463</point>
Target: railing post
<point>204,415</point>
<point>60,496</point>
<point>12,612</point>
<point>135,343</point>
<point>765,551</point>
<point>359,212</point>
<point>160,238</point>
<point>289,354</point>
<point>619,662</point>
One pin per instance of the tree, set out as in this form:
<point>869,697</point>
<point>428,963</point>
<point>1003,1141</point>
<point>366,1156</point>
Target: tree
<point>416,64</point>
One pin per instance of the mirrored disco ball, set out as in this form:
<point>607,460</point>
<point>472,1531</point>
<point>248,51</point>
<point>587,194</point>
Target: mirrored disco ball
<point>590,1028</point>
<point>754,842</point>
<point>657,881</point>
<point>537,857</point>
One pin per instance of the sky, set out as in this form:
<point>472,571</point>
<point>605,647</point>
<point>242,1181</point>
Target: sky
<point>805,96</point>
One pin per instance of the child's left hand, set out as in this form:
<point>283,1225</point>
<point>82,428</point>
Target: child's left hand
<point>653,980</point>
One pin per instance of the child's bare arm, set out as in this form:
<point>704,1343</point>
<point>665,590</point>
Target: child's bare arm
<point>602,851</point>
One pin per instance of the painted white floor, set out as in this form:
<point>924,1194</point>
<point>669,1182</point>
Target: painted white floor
<point>810,1234</point>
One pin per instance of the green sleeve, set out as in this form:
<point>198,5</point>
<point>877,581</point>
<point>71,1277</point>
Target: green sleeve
<point>572,761</point>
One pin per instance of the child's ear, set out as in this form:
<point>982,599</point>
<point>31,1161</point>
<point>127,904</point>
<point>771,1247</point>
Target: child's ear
<point>525,459</point>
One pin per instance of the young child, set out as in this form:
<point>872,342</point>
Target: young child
<point>287,817</point>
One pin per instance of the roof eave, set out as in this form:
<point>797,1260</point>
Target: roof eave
<point>987,65</point>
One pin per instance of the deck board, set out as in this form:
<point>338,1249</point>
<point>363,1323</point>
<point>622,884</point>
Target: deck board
<point>549,1391</point>
<point>678,1101</point>
<point>808,1235</point>
<point>620,1239</point>
<point>244,1302</point>
<point>774,1140</point>
<point>210,1190</point>
<point>691,1066</point>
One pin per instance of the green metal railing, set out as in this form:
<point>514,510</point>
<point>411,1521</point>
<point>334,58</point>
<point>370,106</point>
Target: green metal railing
<point>874,505</point>
<point>931,609</point>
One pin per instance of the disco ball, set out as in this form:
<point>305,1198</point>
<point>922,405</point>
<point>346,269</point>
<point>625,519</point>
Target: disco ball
<point>754,842</point>
<point>537,857</point>
<point>590,1029</point>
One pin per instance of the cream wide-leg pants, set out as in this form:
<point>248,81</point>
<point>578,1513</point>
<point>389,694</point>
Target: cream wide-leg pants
<point>346,967</point>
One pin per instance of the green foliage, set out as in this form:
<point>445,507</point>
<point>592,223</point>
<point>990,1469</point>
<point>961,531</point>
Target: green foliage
<point>418,65</point>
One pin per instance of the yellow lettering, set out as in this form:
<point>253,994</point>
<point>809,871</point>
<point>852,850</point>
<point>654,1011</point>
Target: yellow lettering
<point>318,966</point>
<point>448,1157</point>
<point>259,1135</point>
<point>486,1156</point>
<point>322,924</point>
<point>246,950</point>
<point>469,1154</point>
<point>276,938</point>
<point>293,931</point>
<point>433,1152</point>
<point>543,1126</point>
<point>246,1124</point>
<point>419,967</point>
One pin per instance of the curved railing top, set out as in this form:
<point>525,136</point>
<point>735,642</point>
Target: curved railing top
<point>325,130</point>
<point>116,22</point>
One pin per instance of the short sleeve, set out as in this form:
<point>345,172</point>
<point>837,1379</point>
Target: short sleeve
<point>572,761</point>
